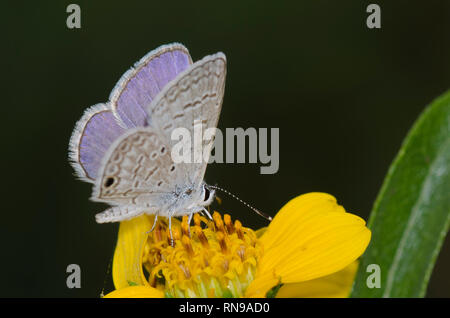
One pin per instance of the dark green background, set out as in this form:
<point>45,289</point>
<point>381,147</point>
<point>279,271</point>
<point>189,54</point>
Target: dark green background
<point>342,95</point>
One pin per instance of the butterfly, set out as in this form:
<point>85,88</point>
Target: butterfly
<point>124,146</point>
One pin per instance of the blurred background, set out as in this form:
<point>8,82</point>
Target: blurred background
<point>344,97</point>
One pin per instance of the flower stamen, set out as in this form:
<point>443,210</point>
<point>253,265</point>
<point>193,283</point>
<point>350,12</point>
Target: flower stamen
<point>228,223</point>
<point>201,236</point>
<point>238,227</point>
<point>223,245</point>
<point>187,245</point>
<point>185,226</point>
<point>209,259</point>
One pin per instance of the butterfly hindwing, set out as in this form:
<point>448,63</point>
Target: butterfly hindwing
<point>137,170</point>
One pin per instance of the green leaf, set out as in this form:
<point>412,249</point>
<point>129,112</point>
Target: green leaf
<point>168,294</point>
<point>274,291</point>
<point>227,294</point>
<point>411,214</point>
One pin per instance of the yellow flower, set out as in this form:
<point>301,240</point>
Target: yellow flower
<point>309,249</point>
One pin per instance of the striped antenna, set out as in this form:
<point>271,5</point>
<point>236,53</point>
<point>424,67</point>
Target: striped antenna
<point>267,217</point>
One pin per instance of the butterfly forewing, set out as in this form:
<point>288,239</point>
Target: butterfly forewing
<point>93,135</point>
<point>142,83</point>
<point>192,99</point>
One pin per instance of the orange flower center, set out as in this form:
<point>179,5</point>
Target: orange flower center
<point>212,258</point>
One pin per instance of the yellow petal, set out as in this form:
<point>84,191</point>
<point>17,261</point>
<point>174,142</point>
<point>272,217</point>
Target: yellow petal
<point>136,292</point>
<point>337,285</point>
<point>127,263</point>
<point>311,237</point>
<point>260,232</point>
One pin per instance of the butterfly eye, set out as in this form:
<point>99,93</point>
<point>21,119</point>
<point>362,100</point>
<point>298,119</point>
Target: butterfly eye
<point>109,182</point>
<point>207,194</point>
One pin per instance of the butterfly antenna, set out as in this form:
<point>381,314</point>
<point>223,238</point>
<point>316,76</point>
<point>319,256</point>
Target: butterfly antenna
<point>267,217</point>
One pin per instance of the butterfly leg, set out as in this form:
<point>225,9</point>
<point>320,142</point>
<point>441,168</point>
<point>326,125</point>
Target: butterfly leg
<point>154,224</point>
<point>207,213</point>
<point>170,231</point>
<point>189,223</point>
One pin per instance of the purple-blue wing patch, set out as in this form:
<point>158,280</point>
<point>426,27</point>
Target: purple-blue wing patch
<point>139,85</point>
<point>102,124</point>
<point>94,133</point>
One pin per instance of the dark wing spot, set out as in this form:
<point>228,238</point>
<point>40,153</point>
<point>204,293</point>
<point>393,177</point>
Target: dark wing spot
<point>109,182</point>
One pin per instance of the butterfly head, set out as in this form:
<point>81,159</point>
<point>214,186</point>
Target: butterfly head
<point>208,194</point>
<point>199,198</point>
